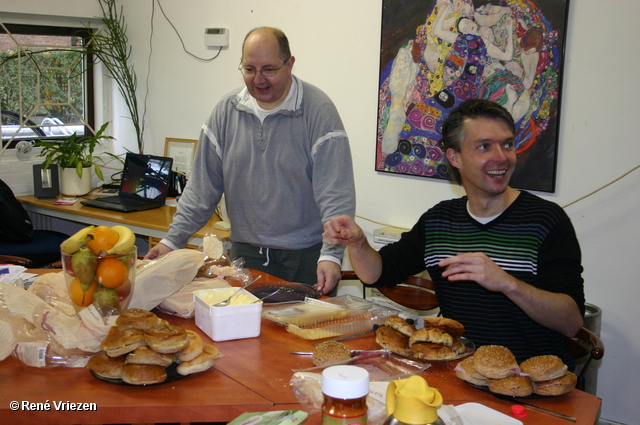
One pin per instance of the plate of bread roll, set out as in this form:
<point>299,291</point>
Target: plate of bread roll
<point>439,340</point>
<point>142,349</point>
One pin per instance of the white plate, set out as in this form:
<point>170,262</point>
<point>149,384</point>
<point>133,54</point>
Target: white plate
<point>479,414</point>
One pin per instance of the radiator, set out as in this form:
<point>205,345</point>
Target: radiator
<point>40,222</point>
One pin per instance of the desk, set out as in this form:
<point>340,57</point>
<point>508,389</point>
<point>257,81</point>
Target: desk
<point>153,223</point>
<point>253,376</point>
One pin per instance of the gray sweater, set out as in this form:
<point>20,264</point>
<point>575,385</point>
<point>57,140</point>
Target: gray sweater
<point>282,178</point>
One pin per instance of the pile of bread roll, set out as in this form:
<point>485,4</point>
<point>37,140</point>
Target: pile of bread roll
<point>495,367</point>
<point>439,339</point>
<point>140,347</point>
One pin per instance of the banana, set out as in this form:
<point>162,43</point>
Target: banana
<point>126,240</point>
<point>75,242</point>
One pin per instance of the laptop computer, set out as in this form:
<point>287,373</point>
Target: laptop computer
<point>145,184</point>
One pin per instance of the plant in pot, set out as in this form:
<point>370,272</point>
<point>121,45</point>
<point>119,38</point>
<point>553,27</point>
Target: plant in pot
<point>76,160</point>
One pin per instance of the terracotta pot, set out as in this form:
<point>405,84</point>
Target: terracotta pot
<point>72,185</point>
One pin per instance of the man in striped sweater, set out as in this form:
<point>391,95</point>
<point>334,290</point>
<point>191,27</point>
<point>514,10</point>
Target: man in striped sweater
<point>505,263</point>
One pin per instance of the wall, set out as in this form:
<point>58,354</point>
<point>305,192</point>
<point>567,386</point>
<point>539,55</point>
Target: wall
<point>336,44</point>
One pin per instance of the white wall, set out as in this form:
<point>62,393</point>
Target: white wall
<point>336,44</point>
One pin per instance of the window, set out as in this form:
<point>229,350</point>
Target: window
<point>45,91</point>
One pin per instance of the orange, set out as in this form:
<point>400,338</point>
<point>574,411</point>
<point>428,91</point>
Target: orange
<point>103,239</point>
<point>111,272</point>
<point>80,297</point>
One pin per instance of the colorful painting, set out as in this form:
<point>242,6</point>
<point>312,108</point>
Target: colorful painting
<point>436,54</point>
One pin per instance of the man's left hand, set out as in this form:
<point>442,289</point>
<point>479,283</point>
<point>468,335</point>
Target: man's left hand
<point>329,274</point>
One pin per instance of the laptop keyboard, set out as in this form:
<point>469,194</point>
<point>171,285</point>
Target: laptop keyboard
<point>124,201</point>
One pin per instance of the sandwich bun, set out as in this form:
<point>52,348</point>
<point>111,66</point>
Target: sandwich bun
<point>145,355</point>
<point>430,351</point>
<point>556,386</point>
<point>391,339</point>
<point>495,362</point>
<point>543,368</point>
<point>166,338</point>
<point>193,349</point>
<point>105,366</point>
<point>400,325</point>
<point>136,318</point>
<point>435,336</point>
<point>330,352</point>
<point>143,374</point>
<point>450,326</point>
<point>204,361</point>
<point>515,386</point>
<point>465,371</point>
<point>123,341</point>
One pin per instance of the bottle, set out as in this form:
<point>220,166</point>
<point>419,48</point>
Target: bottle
<point>345,390</point>
<point>411,401</point>
<point>40,354</point>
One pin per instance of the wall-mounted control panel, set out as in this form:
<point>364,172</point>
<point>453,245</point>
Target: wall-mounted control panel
<point>216,37</point>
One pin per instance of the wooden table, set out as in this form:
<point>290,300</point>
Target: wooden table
<point>253,375</point>
<point>153,223</point>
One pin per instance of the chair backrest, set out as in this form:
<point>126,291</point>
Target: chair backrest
<point>417,293</point>
<point>586,344</point>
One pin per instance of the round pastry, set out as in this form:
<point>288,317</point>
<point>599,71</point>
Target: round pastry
<point>401,325</point>
<point>145,355</point>
<point>495,362</point>
<point>515,386</point>
<point>166,338</point>
<point>124,341</point>
<point>465,371</point>
<point>330,352</point>
<point>136,318</point>
<point>556,386</point>
<point>544,368</point>
<point>391,339</point>
<point>430,351</point>
<point>193,349</point>
<point>450,326</point>
<point>435,336</point>
<point>105,366</point>
<point>143,374</point>
<point>114,330</point>
<point>204,361</point>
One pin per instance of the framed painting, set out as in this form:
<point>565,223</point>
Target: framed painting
<point>182,151</point>
<point>435,54</point>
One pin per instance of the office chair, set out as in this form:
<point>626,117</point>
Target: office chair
<point>588,346</point>
<point>415,292</point>
<point>42,250</point>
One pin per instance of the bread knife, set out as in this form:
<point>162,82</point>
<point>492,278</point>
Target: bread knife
<point>534,407</point>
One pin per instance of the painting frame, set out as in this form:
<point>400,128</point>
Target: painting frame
<point>183,152</point>
<point>427,67</point>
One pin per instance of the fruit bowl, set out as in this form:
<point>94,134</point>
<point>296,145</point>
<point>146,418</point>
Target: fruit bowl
<point>99,266</point>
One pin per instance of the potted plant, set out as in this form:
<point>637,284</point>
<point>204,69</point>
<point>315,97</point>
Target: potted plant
<point>75,158</point>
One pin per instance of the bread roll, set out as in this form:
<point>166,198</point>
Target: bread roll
<point>515,386</point>
<point>201,363</point>
<point>435,336</point>
<point>556,386</point>
<point>143,374</point>
<point>392,340</point>
<point>465,371</point>
<point>145,355</point>
<point>450,326</point>
<point>166,338</point>
<point>543,368</point>
<point>401,325</point>
<point>193,349</point>
<point>105,366</point>
<point>430,351</point>
<point>330,352</point>
<point>136,318</point>
<point>495,362</point>
<point>124,341</point>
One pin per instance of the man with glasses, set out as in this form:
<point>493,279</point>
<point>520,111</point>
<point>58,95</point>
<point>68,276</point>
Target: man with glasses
<point>278,150</point>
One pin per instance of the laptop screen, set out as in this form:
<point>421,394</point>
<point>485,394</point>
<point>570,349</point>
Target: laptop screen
<point>145,176</point>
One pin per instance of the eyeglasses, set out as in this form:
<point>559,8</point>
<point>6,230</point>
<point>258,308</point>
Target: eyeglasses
<point>267,71</point>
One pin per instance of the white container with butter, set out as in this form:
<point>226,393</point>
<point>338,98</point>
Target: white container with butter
<point>238,320</point>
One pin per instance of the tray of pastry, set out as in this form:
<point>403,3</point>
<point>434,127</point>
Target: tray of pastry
<point>317,319</point>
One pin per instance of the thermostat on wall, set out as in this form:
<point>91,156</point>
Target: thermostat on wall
<point>216,37</point>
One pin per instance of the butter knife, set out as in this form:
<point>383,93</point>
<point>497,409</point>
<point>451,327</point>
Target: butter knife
<point>534,407</point>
